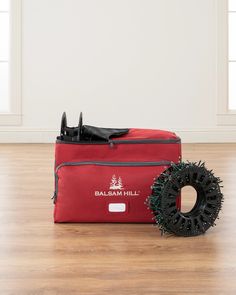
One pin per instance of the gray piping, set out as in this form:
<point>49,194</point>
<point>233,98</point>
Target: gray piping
<point>125,164</point>
<point>128,141</point>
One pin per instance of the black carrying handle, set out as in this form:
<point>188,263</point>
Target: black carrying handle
<point>91,133</point>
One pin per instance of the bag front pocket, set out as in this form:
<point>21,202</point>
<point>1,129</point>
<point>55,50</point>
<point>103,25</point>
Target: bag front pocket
<point>104,191</point>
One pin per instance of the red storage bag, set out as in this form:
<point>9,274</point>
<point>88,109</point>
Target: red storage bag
<point>107,176</point>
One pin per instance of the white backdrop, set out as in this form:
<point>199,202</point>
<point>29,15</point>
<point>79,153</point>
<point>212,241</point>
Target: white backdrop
<point>124,63</point>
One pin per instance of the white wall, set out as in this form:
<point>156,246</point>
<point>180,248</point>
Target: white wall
<point>124,63</point>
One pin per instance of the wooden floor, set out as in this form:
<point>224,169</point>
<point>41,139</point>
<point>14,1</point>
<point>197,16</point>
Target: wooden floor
<point>40,257</point>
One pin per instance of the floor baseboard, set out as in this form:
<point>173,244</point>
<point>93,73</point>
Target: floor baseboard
<point>49,136</point>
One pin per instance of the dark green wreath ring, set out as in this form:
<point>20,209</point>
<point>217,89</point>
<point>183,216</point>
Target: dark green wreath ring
<point>165,195</point>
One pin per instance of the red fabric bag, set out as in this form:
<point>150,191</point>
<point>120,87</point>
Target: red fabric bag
<point>110,181</point>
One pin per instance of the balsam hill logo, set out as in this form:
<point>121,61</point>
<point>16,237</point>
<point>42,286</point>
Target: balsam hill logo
<point>116,184</point>
<point>116,188</point>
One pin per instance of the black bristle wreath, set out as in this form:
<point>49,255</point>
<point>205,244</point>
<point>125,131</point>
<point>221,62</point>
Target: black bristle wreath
<point>166,189</point>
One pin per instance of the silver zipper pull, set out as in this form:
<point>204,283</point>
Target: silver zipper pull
<point>111,143</point>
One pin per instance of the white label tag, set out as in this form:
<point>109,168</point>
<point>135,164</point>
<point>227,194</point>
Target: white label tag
<point>116,207</point>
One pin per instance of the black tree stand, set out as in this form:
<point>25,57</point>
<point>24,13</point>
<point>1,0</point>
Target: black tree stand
<point>166,190</point>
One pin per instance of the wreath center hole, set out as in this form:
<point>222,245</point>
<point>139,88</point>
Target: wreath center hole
<point>188,198</point>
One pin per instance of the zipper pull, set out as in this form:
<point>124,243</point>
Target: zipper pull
<point>54,197</point>
<point>111,143</point>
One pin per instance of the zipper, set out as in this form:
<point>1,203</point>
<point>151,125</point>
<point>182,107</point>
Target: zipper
<point>123,141</point>
<point>135,141</point>
<point>101,163</point>
<point>125,164</point>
